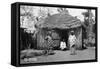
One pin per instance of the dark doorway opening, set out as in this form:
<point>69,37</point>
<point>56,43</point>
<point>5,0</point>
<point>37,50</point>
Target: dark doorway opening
<point>64,35</point>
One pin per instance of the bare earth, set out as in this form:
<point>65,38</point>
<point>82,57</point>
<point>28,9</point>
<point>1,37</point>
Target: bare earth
<point>86,54</point>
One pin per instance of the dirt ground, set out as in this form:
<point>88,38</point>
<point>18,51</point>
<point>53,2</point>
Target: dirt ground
<point>59,55</point>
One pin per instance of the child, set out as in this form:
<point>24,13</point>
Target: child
<point>62,45</point>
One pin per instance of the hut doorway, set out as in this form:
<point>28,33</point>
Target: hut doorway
<point>63,35</point>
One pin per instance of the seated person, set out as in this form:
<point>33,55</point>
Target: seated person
<point>63,45</point>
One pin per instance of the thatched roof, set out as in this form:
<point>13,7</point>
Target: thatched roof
<point>61,21</point>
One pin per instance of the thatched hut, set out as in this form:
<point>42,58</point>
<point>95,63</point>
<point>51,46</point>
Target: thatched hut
<point>61,24</point>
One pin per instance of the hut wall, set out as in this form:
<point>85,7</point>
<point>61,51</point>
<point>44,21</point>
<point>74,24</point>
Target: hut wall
<point>79,38</point>
<point>56,39</point>
<point>43,44</point>
<point>41,40</point>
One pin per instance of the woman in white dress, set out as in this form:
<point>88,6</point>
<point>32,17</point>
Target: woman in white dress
<point>72,43</point>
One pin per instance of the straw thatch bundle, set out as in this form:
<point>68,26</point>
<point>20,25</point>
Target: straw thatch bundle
<point>62,21</point>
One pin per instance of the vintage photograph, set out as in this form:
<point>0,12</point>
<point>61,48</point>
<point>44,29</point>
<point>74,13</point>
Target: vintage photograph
<point>54,34</point>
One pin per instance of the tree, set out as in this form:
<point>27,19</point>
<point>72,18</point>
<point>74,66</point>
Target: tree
<point>27,21</point>
<point>88,25</point>
<point>62,10</point>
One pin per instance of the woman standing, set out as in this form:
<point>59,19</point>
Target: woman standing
<point>49,44</point>
<point>72,43</point>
